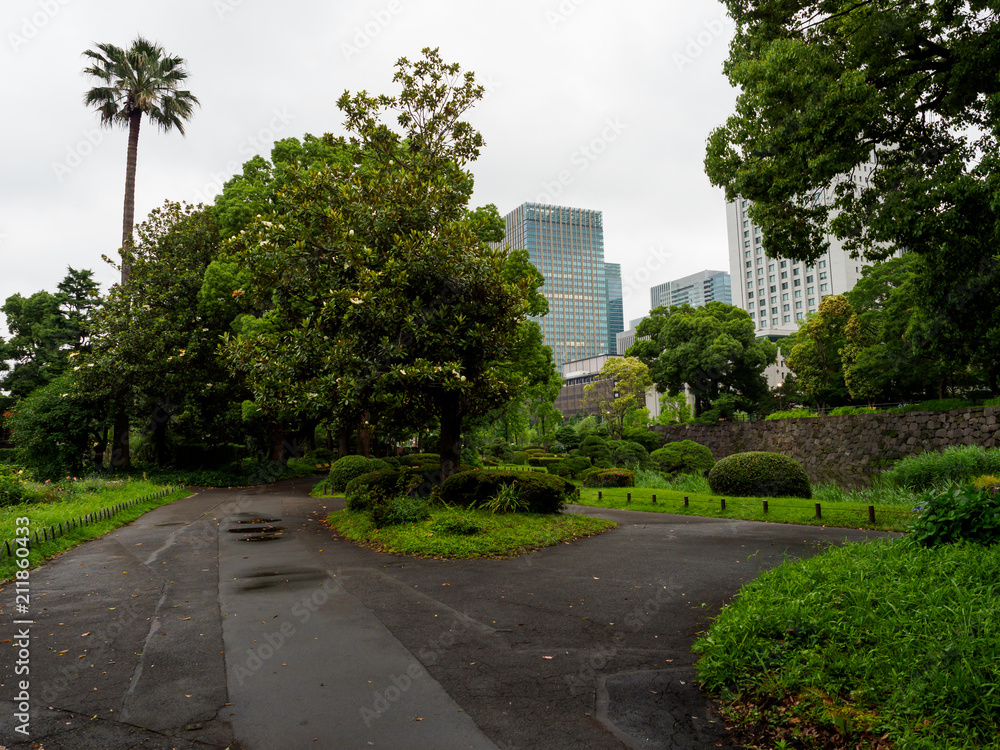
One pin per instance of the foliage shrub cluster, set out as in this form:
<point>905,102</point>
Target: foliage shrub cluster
<point>939,404</point>
<point>884,638</point>
<point>759,474</point>
<point>628,453</point>
<point>791,414</point>
<point>520,458</point>
<point>8,457</point>
<point>596,449</point>
<point>364,489</point>
<point>610,478</point>
<point>570,467</point>
<point>12,489</point>
<point>957,514</point>
<point>988,482</point>
<point>398,509</point>
<point>842,411</point>
<point>683,457</point>
<point>350,467</point>
<point>957,464</point>
<point>646,438</point>
<point>545,460</point>
<point>540,493</point>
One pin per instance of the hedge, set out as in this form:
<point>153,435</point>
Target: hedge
<point>683,457</point>
<point>610,478</point>
<point>541,493</point>
<point>759,474</point>
<point>350,467</point>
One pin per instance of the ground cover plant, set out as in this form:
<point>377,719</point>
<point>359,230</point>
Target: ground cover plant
<point>955,464</point>
<point>60,502</point>
<point>877,645</point>
<point>463,533</point>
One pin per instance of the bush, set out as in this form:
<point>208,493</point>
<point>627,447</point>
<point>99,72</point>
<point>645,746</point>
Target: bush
<point>520,458</point>
<point>684,457</point>
<point>791,414</point>
<point>568,437</point>
<point>501,452</point>
<point>540,493</point>
<point>420,459</point>
<point>646,438</point>
<point>570,467</point>
<point>759,474</point>
<point>361,492</point>
<point>988,482</point>
<point>595,448</point>
<point>12,491</point>
<point>350,467</point>
<point>957,464</point>
<point>938,404</point>
<point>610,478</point>
<point>627,453</point>
<point>8,457</point>
<point>322,456</point>
<point>957,514</point>
<point>543,460</point>
<point>841,411</point>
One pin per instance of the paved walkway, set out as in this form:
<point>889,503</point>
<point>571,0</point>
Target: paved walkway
<point>235,619</point>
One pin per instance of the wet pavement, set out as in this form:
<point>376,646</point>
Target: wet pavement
<point>236,619</point>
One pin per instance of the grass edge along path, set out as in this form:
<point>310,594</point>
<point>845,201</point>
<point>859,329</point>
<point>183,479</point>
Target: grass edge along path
<point>876,645</point>
<point>779,509</point>
<point>44,551</point>
<point>500,535</point>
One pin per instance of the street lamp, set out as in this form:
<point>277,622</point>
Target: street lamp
<point>781,402</point>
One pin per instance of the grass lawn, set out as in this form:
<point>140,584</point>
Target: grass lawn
<point>876,645</point>
<point>495,535</point>
<point>44,514</point>
<point>780,509</point>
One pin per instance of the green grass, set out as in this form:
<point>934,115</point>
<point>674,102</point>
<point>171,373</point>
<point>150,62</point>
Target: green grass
<point>884,639</point>
<point>59,511</point>
<point>780,509</point>
<point>500,535</point>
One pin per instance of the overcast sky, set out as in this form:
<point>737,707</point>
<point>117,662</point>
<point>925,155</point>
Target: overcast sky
<point>590,103</point>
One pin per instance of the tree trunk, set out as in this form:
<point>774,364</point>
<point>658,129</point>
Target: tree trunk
<point>135,119</point>
<point>343,442</point>
<point>364,436</point>
<point>278,443</point>
<point>450,442</point>
<point>120,456</point>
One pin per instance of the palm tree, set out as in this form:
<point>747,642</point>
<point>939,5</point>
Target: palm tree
<point>140,80</point>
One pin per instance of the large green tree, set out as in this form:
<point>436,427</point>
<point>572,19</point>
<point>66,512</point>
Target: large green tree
<point>875,121</point>
<point>815,352</point>
<point>47,331</point>
<point>382,294</point>
<point>140,80</point>
<point>620,391</point>
<point>712,350</point>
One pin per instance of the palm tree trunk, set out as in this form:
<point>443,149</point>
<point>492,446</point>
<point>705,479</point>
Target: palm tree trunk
<point>134,121</point>
<point>121,455</point>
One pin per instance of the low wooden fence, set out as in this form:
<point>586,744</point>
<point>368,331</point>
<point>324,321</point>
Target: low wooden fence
<point>54,531</point>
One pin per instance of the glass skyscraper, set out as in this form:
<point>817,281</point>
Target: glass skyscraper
<point>616,313</point>
<point>567,246</point>
<point>696,290</point>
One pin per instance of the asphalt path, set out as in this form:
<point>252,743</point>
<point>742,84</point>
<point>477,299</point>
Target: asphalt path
<point>237,619</point>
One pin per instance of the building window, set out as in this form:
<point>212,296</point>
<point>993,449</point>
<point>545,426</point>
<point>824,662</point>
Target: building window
<point>812,302</point>
<point>759,250</point>
<point>785,308</point>
<point>784,297</point>
<point>822,264</point>
<point>784,274</point>
<point>824,287</point>
<point>798,305</point>
<point>798,293</point>
<point>750,294</point>
<point>795,271</point>
<point>770,277</point>
<point>770,267</point>
<point>809,279</point>
<point>746,223</point>
<point>746,243</point>
<point>760,271</point>
<point>822,275</point>
<point>746,254</point>
<point>756,239</point>
<point>784,264</point>
<point>749,274</point>
<point>774,322</point>
<point>773,288</point>
<point>784,285</point>
<point>787,318</point>
<point>797,282</point>
<point>798,316</point>
<point>750,305</point>
<point>811,290</point>
<point>753,315</point>
<point>749,263</point>
<point>774,311</point>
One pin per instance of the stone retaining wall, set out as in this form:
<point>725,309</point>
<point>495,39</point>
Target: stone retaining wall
<point>850,449</point>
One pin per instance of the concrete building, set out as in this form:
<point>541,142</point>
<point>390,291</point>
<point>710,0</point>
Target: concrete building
<point>696,290</point>
<point>577,374</point>
<point>567,246</point>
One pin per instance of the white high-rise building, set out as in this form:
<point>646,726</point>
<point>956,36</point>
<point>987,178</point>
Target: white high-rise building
<point>778,292</point>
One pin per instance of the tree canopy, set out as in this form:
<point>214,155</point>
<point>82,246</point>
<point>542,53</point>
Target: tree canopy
<point>711,350</point>
<point>877,122</point>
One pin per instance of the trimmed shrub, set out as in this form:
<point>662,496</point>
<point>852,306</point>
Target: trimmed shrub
<point>540,493</point>
<point>363,491</point>
<point>610,478</point>
<point>501,452</point>
<point>420,459</point>
<point>570,467</point>
<point>646,438</point>
<point>759,474</point>
<point>596,449</point>
<point>791,414</point>
<point>322,456</point>
<point>841,411</point>
<point>988,482</point>
<point>938,404</point>
<point>568,437</point>
<point>957,514</point>
<point>543,460</point>
<point>520,458</point>
<point>958,464</point>
<point>350,467</point>
<point>683,457</point>
<point>627,453</point>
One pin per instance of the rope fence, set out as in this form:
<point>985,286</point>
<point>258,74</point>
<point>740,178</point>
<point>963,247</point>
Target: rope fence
<point>62,528</point>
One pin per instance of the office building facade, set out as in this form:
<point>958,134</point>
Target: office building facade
<point>616,311</point>
<point>696,290</point>
<point>567,246</point>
